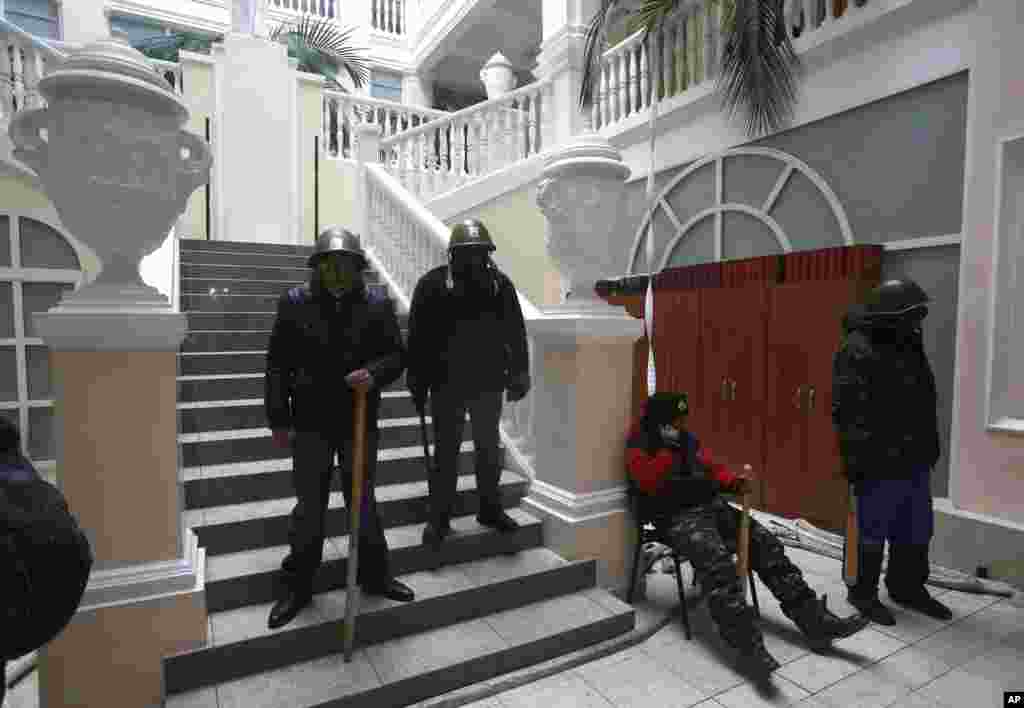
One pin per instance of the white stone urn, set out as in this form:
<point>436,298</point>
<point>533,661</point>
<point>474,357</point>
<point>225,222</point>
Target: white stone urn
<point>498,76</point>
<point>580,194</point>
<point>113,158</point>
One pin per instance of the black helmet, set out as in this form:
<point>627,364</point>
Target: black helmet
<point>663,408</point>
<point>894,298</point>
<point>337,240</point>
<point>470,232</point>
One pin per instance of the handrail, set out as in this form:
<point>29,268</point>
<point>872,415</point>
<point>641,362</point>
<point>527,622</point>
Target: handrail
<point>41,44</point>
<point>423,217</point>
<point>384,103</point>
<point>476,108</point>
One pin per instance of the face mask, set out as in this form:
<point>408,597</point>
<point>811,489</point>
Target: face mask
<point>337,277</point>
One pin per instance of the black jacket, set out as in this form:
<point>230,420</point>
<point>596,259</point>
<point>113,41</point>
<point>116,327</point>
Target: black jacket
<point>45,560</point>
<point>884,402</point>
<point>467,340</point>
<point>315,343</point>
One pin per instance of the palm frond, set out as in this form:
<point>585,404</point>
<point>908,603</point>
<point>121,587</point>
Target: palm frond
<point>759,66</point>
<point>323,47</point>
<point>595,45</point>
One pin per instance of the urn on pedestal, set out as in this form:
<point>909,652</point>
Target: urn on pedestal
<point>581,195</point>
<point>113,158</point>
<point>497,76</point>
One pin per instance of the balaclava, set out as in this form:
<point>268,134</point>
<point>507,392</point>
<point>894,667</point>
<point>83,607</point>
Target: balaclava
<point>661,410</point>
<point>339,274</point>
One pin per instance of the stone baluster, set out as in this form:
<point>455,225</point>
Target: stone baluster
<point>645,99</point>
<point>680,62</point>
<point>420,165</point>
<point>17,76</point>
<point>446,156</point>
<point>325,123</point>
<point>810,15</point>
<point>603,96</point>
<point>712,40</point>
<point>521,128</point>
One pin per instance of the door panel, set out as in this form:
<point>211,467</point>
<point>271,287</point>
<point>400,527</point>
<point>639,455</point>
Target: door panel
<point>716,346</point>
<point>786,421</point>
<point>747,320</point>
<point>677,350</point>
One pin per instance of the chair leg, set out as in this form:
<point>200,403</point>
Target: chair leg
<point>636,568</point>
<point>682,599</point>
<point>753,591</point>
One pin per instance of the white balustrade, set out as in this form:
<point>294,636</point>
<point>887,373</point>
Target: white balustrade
<point>685,52</point>
<point>389,16</point>
<point>447,152</point>
<point>325,9</point>
<point>24,59</point>
<point>343,111</point>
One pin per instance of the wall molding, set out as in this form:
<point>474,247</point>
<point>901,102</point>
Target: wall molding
<point>130,584</point>
<point>573,508</point>
<point>922,242</point>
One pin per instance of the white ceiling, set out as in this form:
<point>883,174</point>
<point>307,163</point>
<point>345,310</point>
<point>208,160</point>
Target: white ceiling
<point>513,28</point>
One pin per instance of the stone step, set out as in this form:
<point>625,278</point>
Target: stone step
<point>230,303</point>
<point>231,414</point>
<point>238,258</point>
<point>223,530</point>
<point>250,577</point>
<point>244,321</point>
<point>225,287</point>
<point>225,341</point>
<point>248,445</point>
<point>192,245</point>
<point>431,663</point>
<point>244,272</point>
<point>241,482</point>
<point>199,379</point>
<point>241,645</point>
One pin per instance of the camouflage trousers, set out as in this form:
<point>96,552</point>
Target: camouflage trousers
<point>706,536</point>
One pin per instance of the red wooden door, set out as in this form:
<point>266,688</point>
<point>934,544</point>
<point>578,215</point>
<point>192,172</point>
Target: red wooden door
<point>786,416</point>
<point>716,348</point>
<point>677,350</point>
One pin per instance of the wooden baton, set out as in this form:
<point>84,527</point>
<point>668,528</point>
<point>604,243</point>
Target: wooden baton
<point>743,542</point>
<point>851,549</point>
<point>352,590</point>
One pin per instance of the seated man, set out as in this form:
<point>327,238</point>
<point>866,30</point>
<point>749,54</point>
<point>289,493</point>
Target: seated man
<point>679,485</point>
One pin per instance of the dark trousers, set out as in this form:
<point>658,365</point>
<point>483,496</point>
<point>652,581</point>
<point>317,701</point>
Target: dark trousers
<point>313,463</point>
<point>896,510</point>
<point>449,405</point>
<point>699,535</point>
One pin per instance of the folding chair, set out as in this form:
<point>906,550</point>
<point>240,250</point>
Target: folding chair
<point>648,532</point>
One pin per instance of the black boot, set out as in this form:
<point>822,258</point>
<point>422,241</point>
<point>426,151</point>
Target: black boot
<point>391,588</point>
<point>436,531</point>
<point>864,595</point>
<point>495,517</point>
<point>286,608</point>
<point>905,579</point>
<point>821,626</point>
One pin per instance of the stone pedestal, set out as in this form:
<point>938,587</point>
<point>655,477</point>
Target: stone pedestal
<point>112,156</point>
<point>583,366</point>
<point>255,135</point>
<point>418,89</point>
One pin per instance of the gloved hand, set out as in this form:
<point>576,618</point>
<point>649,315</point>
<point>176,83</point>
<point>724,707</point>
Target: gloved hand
<point>517,387</point>
<point>418,389</point>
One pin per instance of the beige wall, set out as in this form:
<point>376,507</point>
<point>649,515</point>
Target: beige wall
<point>337,194</point>
<point>517,227</point>
<point>198,95</point>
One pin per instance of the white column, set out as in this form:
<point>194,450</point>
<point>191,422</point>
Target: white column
<point>583,366</point>
<point>561,59</point>
<point>418,89</point>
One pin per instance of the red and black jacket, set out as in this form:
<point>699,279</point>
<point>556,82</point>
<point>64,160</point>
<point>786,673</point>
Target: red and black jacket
<point>667,478</point>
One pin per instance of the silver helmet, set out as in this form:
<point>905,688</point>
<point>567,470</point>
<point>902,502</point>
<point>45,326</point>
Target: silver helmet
<point>337,240</point>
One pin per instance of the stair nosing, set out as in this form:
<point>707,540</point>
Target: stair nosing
<point>253,402</point>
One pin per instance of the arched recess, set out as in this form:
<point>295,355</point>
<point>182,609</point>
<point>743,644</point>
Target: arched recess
<point>38,263</point>
<point>788,165</point>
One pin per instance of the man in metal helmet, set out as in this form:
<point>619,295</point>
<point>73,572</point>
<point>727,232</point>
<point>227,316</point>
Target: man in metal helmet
<point>884,409</point>
<point>314,363</point>
<point>467,346</point>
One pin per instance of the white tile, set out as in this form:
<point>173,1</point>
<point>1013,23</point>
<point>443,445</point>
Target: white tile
<point>633,679</point>
<point>1004,664</point>
<point>308,683</point>
<point>916,700</point>
<point>863,690</point>
<point>870,644</point>
<point>961,689</point>
<point>699,664</point>
<point>956,645</point>
<point>777,692</point>
<point>408,656</point>
<point>559,691</point>
<point>816,671</point>
<point>911,667</point>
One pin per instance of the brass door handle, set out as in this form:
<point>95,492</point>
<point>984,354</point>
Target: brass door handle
<point>811,397</point>
<point>798,398</point>
<point>725,389</point>
<point>732,392</point>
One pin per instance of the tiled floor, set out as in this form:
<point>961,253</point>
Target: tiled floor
<point>966,663</point>
<point>919,663</point>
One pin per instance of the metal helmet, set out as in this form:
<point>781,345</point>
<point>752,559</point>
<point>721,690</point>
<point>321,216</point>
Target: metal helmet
<point>894,298</point>
<point>336,240</point>
<point>470,232</point>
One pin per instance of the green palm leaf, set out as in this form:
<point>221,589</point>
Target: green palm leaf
<point>322,47</point>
